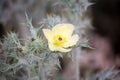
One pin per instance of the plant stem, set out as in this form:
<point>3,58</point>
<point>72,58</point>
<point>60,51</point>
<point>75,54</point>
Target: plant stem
<point>42,72</point>
<point>78,64</point>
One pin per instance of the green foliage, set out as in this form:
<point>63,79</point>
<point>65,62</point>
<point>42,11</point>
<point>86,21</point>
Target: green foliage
<point>51,21</point>
<point>27,59</point>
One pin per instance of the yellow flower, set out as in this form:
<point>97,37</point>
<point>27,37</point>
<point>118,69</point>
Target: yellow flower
<point>60,38</point>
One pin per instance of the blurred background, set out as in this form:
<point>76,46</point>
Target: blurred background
<point>12,14</point>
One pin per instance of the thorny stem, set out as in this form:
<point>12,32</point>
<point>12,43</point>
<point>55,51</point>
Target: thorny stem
<point>43,74</point>
<point>77,64</point>
<point>47,56</point>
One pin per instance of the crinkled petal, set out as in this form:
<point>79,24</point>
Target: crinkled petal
<point>63,29</point>
<point>72,41</point>
<point>54,48</point>
<point>48,34</point>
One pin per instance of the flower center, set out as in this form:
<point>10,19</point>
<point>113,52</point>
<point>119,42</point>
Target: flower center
<point>59,40</point>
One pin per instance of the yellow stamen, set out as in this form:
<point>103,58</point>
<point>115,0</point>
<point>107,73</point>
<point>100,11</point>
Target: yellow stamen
<point>59,40</point>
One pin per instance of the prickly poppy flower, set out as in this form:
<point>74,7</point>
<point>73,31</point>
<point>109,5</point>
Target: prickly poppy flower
<point>60,38</point>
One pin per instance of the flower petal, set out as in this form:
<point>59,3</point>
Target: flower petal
<point>64,50</point>
<point>48,34</point>
<point>54,48</point>
<point>63,29</point>
<point>72,41</point>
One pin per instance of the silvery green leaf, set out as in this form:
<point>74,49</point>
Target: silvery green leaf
<point>108,74</point>
<point>53,20</point>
